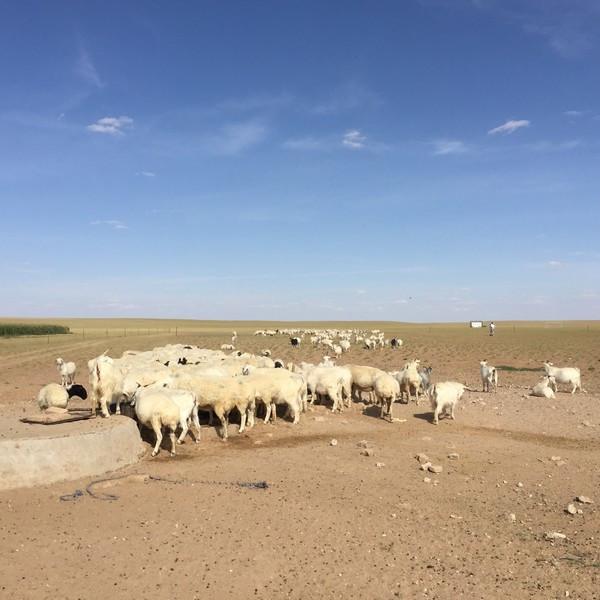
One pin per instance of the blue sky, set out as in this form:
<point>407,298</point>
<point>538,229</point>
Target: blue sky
<point>414,160</point>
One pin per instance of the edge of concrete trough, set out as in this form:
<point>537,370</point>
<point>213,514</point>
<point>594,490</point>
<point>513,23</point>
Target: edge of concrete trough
<point>29,462</point>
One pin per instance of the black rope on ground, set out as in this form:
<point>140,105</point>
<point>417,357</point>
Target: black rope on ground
<point>257,485</point>
<point>76,494</point>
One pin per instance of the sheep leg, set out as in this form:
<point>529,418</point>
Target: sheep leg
<point>267,413</point>
<point>93,405</point>
<point>157,430</point>
<point>391,408</point>
<point>172,437</point>
<point>219,413</point>
<point>196,422</point>
<point>184,429</point>
<point>452,410</point>
<point>242,420</point>
<point>104,407</point>
<point>436,414</point>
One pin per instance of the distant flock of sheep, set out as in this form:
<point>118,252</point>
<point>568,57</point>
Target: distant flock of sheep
<point>168,386</point>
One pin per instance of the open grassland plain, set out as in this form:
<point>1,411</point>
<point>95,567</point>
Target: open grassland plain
<point>333,523</point>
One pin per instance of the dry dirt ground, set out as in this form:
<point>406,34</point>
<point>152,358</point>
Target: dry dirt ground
<point>332,523</point>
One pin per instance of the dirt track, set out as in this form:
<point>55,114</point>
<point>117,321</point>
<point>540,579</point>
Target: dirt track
<point>332,523</point>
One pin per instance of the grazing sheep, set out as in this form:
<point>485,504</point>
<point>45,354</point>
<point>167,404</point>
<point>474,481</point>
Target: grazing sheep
<point>227,347</point>
<point>344,345</point>
<point>66,370</point>
<point>295,341</point>
<point>106,380</point>
<point>489,376</point>
<point>155,410</point>
<point>396,343</point>
<point>544,388</point>
<point>570,375</point>
<point>387,390</point>
<point>444,397</point>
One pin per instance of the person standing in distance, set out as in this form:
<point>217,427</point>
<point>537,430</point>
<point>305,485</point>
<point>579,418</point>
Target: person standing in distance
<point>492,328</point>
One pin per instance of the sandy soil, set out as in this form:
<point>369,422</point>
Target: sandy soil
<point>332,523</point>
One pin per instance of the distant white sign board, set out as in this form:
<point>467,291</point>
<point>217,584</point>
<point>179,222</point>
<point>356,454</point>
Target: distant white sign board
<point>476,324</point>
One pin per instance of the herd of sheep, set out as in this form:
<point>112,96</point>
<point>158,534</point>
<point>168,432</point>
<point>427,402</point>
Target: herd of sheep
<point>168,386</point>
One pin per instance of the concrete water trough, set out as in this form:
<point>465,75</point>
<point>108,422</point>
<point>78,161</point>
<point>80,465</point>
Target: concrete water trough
<point>37,454</point>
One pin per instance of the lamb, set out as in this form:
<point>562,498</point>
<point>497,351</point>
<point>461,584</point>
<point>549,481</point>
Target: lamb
<point>66,370</point>
<point>489,376</point>
<point>155,410</point>
<point>55,394</point>
<point>544,388</point>
<point>106,380</point>
<point>396,343</point>
<point>444,397</point>
<point>387,390</point>
<point>227,347</point>
<point>344,345</point>
<point>570,375</point>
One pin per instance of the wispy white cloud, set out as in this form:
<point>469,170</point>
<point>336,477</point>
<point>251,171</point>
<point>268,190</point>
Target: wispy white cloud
<point>449,147</point>
<point>146,174</point>
<point>361,292</point>
<point>235,137</point>
<point>86,68</point>
<point>353,139</point>
<point>554,264</point>
<point>112,222</point>
<point>111,125</point>
<point>509,127</point>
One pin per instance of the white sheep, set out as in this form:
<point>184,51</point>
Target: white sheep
<point>334,382</point>
<point>278,386</point>
<point>444,397</point>
<point>344,345</point>
<point>66,370</point>
<point>570,375</point>
<point>219,395</point>
<point>489,376</point>
<point>387,390</point>
<point>106,380</point>
<point>363,380</point>
<point>155,409</point>
<point>409,379</point>
<point>544,388</point>
<point>53,394</point>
